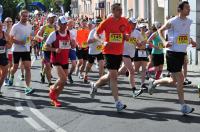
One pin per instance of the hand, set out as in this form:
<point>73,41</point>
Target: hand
<point>58,50</point>
<point>168,44</point>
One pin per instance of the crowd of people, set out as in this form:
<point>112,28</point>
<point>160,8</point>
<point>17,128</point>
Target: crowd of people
<point>117,45</point>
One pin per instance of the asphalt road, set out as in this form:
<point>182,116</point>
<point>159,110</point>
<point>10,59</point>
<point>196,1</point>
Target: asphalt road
<point>152,113</point>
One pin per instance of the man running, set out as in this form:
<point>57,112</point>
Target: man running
<point>43,33</point>
<point>21,38</point>
<point>95,52</point>
<point>179,37</point>
<point>116,29</point>
<point>59,43</point>
<point>72,53</point>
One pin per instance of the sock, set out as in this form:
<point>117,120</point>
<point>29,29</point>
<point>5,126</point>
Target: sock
<point>158,73</point>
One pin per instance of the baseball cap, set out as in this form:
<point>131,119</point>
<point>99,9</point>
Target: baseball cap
<point>51,15</point>
<point>133,20</point>
<point>62,19</point>
<point>142,25</point>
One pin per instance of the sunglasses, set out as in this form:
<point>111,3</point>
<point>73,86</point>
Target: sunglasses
<point>9,21</point>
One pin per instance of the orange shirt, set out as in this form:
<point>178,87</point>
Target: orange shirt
<point>82,36</point>
<point>114,34</point>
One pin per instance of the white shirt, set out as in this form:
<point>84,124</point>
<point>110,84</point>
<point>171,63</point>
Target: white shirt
<point>129,46</point>
<point>73,34</point>
<point>23,33</point>
<point>180,29</point>
<point>52,38</point>
<point>96,47</point>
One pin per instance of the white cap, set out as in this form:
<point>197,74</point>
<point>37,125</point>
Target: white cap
<point>142,25</point>
<point>51,15</point>
<point>133,20</point>
<point>36,12</point>
<point>62,19</point>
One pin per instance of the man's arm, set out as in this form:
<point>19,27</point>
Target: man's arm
<point>161,34</point>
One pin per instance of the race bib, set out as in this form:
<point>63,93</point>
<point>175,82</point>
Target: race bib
<point>99,47</point>
<point>132,41</point>
<point>84,45</point>
<point>2,49</point>
<point>160,45</point>
<point>64,44</point>
<point>116,38</point>
<point>142,53</point>
<point>28,40</point>
<point>182,39</point>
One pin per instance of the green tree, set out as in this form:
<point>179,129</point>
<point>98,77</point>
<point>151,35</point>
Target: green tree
<point>9,7</point>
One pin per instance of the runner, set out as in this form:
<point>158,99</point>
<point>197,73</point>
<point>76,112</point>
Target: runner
<point>141,57</point>
<point>4,44</point>
<point>72,53</point>
<point>115,28</point>
<point>129,53</point>
<point>95,52</point>
<point>42,35</point>
<point>21,38</point>
<point>82,48</point>
<point>157,53</point>
<point>8,22</point>
<point>178,35</point>
<point>59,43</point>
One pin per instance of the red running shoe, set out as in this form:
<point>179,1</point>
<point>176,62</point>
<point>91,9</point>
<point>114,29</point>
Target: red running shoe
<point>56,103</point>
<point>52,94</point>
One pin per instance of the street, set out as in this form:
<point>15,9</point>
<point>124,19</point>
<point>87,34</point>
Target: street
<point>152,113</point>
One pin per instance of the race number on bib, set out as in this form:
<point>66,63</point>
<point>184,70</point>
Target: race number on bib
<point>64,44</point>
<point>2,49</point>
<point>116,38</point>
<point>142,53</point>
<point>160,45</point>
<point>84,45</point>
<point>182,39</point>
<point>99,47</point>
<point>132,41</point>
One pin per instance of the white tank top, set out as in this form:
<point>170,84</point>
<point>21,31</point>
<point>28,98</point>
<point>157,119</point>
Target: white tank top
<point>179,34</point>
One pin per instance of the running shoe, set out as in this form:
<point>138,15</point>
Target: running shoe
<point>6,82</point>
<point>80,76</point>
<point>42,78</point>
<point>22,78</point>
<point>185,109</point>
<point>52,94</point>
<point>11,80</point>
<point>187,82</point>
<point>29,91</point>
<point>144,87</point>
<point>56,103</point>
<point>93,90</point>
<point>151,87</point>
<point>137,93</point>
<point>70,79</point>
<point>120,107</point>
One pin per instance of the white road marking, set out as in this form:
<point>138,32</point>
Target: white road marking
<point>43,117</point>
<point>29,120</point>
<point>34,124</point>
<point>18,106</point>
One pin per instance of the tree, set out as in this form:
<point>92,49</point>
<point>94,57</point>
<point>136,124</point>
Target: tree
<point>9,7</point>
